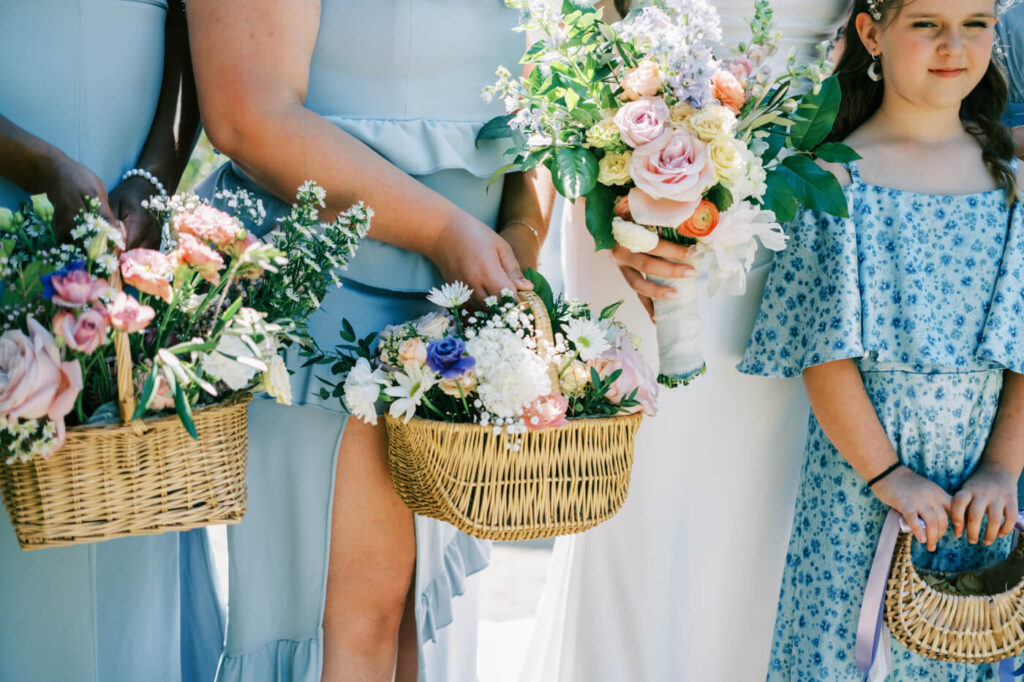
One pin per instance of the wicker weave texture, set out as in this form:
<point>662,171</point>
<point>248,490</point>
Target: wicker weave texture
<point>560,481</point>
<point>116,480</point>
<point>948,627</point>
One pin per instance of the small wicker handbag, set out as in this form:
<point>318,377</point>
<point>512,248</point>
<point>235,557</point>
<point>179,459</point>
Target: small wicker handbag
<point>958,628</point>
<point>135,478</point>
<point>561,480</point>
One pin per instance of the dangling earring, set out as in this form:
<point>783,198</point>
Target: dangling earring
<point>875,69</point>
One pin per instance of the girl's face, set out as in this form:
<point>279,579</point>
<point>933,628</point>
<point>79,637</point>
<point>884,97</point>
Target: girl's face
<point>934,52</point>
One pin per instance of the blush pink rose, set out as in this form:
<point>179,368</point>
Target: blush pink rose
<point>128,315</point>
<point>547,411</point>
<point>643,81</point>
<point>34,383</point>
<point>642,121</point>
<point>148,271</point>
<point>209,224</point>
<point>77,289</point>
<point>636,375</point>
<point>194,253</point>
<point>729,91</point>
<point>85,333</point>
<point>671,175</point>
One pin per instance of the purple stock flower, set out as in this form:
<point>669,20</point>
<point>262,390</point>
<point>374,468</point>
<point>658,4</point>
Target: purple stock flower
<point>448,357</point>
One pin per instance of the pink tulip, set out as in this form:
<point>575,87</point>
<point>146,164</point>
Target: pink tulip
<point>128,315</point>
<point>148,271</point>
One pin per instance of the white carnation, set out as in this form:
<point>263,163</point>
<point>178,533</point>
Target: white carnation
<point>362,390</point>
<point>276,381</point>
<point>636,238</point>
<point>729,251</point>
<point>509,375</point>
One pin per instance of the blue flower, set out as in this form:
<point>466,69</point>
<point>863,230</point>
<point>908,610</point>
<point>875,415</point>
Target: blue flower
<point>63,272</point>
<point>448,357</point>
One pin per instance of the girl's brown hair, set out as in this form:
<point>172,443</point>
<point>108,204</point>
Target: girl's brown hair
<point>981,111</point>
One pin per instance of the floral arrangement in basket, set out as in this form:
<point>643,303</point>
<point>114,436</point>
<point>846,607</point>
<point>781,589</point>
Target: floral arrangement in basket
<point>205,317</point>
<point>669,134</point>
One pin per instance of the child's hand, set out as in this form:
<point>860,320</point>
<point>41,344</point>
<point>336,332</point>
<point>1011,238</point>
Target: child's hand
<point>915,497</point>
<point>990,491</point>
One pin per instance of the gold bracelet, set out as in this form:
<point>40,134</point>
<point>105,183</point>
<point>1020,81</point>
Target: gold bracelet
<point>528,226</point>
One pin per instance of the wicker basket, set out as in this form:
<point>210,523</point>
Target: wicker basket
<point>560,481</point>
<point>949,627</point>
<point>135,478</point>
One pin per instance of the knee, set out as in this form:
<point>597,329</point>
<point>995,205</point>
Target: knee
<point>369,615</point>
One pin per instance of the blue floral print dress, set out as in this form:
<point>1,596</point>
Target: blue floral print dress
<point>926,293</point>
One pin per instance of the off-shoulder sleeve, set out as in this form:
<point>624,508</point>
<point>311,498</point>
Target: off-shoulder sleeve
<point>811,309</point>
<point>1002,337</point>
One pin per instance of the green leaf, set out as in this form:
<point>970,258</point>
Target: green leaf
<point>495,129</point>
<point>818,114</point>
<point>542,289</point>
<point>574,170</point>
<point>836,152</point>
<point>814,187</point>
<point>500,173</point>
<point>599,208</point>
<point>348,333</point>
<point>147,393</point>
<point>780,198</point>
<point>6,247</point>
<point>572,98</point>
<point>720,196</point>
<point>184,411</point>
<point>609,311</point>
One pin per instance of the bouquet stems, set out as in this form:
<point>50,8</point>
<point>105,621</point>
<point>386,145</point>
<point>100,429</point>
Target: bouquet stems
<point>678,326</point>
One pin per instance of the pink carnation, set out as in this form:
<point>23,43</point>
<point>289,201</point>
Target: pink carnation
<point>77,289</point>
<point>148,271</point>
<point>642,121</point>
<point>671,175</point>
<point>128,315</point>
<point>84,333</point>
<point>636,375</point>
<point>194,253</point>
<point>547,411</point>
<point>209,224</point>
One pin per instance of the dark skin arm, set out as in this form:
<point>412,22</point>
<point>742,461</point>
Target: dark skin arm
<point>171,138</point>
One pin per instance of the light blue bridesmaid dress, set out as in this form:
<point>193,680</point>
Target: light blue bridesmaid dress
<point>405,78</point>
<point>85,75</point>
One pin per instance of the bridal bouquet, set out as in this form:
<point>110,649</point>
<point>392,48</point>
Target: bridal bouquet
<point>669,134</point>
<point>206,316</point>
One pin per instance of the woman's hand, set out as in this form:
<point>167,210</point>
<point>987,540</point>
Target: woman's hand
<point>917,499</point>
<point>524,242</point>
<point>990,491</point>
<point>470,252</point>
<point>665,260</point>
<point>141,227</point>
<point>67,183</point>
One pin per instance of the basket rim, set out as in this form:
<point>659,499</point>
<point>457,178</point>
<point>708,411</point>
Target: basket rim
<point>1016,591</point>
<point>84,429</point>
<point>461,426</point>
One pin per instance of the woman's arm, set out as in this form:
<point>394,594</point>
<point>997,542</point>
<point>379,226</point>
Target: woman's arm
<point>252,62</point>
<point>844,410</point>
<point>171,137</point>
<point>525,213</point>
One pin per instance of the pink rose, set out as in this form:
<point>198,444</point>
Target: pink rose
<point>412,351</point>
<point>729,91</point>
<point>671,175</point>
<point>642,121</point>
<point>148,271</point>
<point>34,383</point>
<point>636,375</point>
<point>209,224</point>
<point>128,315</point>
<point>85,333</point>
<point>194,253</point>
<point>77,289</point>
<point>643,81</point>
<point>547,411</point>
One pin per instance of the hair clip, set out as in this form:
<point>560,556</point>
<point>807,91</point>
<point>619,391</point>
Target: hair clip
<point>875,9</point>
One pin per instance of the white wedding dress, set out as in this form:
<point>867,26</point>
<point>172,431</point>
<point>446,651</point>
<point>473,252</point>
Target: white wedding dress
<point>683,584</point>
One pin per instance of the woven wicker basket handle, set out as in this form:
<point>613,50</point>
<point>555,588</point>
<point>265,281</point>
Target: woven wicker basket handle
<point>542,327</point>
<point>123,369</point>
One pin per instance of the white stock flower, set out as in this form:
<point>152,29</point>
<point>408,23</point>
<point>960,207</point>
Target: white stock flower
<point>588,337</point>
<point>276,381</point>
<point>728,252</point>
<point>362,390</point>
<point>450,295</point>
<point>636,238</point>
<point>752,182</point>
<point>232,363</point>
<point>509,375</point>
<point>411,384</point>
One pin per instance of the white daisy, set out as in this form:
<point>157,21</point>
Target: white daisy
<point>588,337</point>
<point>411,385</point>
<point>450,295</point>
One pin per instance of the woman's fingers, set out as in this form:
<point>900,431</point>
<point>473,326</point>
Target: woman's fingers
<point>510,263</point>
<point>648,303</point>
<point>1009,520</point>
<point>932,524</point>
<point>913,519</point>
<point>975,515</point>
<point>671,251</point>
<point>958,511</point>
<point>646,287</point>
<point>651,265</point>
<point>996,511</point>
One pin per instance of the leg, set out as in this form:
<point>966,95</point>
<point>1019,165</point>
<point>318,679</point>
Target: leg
<point>408,667</point>
<point>372,556</point>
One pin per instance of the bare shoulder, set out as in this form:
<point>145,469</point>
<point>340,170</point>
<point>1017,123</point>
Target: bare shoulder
<point>838,170</point>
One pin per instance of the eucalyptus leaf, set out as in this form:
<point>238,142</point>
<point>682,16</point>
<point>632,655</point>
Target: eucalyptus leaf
<point>598,211</point>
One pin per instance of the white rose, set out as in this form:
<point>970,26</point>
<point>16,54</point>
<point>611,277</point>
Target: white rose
<point>636,238</point>
<point>432,325</point>
<point>614,168</point>
<point>276,381</point>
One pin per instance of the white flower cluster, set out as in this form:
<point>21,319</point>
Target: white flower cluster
<point>362,390</point>
<point>243,203</point>
<point>510,376</point>
<point>24,439</point>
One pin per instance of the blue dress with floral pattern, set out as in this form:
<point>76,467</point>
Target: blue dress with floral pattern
<point>926,293</point>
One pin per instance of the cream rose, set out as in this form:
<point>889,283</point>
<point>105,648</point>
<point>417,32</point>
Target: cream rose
<point>714,121</point>
<point>575,378</point>
<point>642,121</point>
<point>451,386</point>
<point>679,114</point>
<point>636,238</point>
<point>412,351</point>
<point>643,81</point>
<point>614,168</point>
<point>727,158</point>
<point>671,175</point>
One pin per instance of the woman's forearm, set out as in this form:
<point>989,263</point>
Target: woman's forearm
<point>1005,447</point>
<point>842,407</point>
<point>25,159</point>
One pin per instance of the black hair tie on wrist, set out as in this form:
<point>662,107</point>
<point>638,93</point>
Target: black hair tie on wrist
<point>885,473</point>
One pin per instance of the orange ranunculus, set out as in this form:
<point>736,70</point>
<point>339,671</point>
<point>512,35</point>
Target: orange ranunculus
<point>702,223</point>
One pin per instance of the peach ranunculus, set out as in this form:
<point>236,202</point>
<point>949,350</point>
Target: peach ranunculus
<point>128,315</point>
<point>671,175</point>
<point>77,289</point>
<point>643,81</point>
<point>412,351</point>
<point>636,375</point>
<point>148,271</point>
<point>642,121</point>
<point>729,91</point>
<point>547,411</point>
<point>195,254</point>
<point>34,382</point>
<point>84,333</point>
<point>702,223</point>
<point>467,381</point>
<point>209,224</point>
